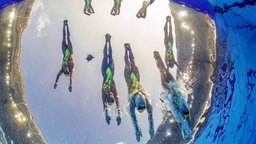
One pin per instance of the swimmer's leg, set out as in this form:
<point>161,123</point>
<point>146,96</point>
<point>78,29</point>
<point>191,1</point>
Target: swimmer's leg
<point>127,68</point>
<point>104,64</point>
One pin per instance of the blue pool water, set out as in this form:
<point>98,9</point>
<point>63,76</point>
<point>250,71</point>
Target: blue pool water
<point>199,5</point>
<point>4,3</point>
<point>232,116</point>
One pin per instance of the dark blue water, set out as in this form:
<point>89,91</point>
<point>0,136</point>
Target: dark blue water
<point>232,116</point>
<point>4,3</point>
<point>199,5</point>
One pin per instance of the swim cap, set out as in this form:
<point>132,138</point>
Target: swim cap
<point>140,103</point>
<point>66,72</point>
<point>110,100</point>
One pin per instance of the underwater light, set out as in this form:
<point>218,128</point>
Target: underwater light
<point>183,13</point>
<point>12,14</point>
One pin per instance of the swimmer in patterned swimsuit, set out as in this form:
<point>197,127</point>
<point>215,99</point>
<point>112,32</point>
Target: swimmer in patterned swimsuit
<point>109,92</point>
<point>142,13</point>
<point>67,66</point>
<point>137,96</point>
<point>88,9</point>
<point>116,8</point>
<point>173,100</point>
<point>168,42</point>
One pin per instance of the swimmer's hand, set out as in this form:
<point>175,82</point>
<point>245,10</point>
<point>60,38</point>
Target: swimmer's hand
<point>138,134</point>
<point>55,86</point>
<point>70,88</point>
<point>151,132</point>
<point>107,116</point>
<point>118,118</point>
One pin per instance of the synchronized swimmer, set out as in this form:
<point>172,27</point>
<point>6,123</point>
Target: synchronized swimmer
<point>67,66</point>
<point>142,13</point>
<point>172,98</point>
<point>109,92</point>
<point>138,98</point>
<point>168,42</point>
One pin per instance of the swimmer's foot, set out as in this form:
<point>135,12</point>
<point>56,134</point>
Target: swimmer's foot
<point>127,46</point>
<point>168,18</point>
<point>65,22</point>
<point>108,37</point>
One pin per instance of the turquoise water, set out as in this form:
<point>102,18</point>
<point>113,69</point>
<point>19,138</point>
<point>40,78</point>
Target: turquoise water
<point>232,115</point>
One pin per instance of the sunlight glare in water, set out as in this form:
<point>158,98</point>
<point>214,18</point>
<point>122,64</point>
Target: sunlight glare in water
<point>183,13</point>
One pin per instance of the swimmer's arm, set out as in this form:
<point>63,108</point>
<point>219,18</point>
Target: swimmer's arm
<point>116,96</point>
<point>150,117</point>
<point>131,108</point>
<point>58,76</point>
<point>71,76</point>
<point>73,68</point>
<point>104,100</point>
<point>117,101</point>
<point>105,108</point>
<point>163,82</point>
<point>118,109</point>
<point>71,58</point>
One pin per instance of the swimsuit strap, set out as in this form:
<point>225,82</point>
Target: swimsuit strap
<point>135,83</point>
<point>169,51</point>
<point>66,57</point>
<point>176,100</point>
<point>118,3</point>
<point>108,80</point>
<point>88,3</point>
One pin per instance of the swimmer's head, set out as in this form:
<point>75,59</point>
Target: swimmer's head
<point>110,99</point>
<point>186,115</point>
<point>140,103</point>
<point>66,71</point>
